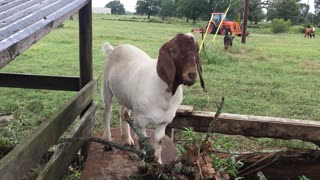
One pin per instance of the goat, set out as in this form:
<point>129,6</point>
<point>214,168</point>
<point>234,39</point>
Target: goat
<point>309,32</point>
<point>227,40</point>
<point>151,89</point>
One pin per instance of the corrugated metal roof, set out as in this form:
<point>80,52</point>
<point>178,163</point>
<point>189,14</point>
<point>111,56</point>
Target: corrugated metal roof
<point>24,22</point>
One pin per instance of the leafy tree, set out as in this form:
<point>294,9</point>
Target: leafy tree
<point>149,7</point>
<point>317,7</point>
<point>285,9</point>
<point>288,9</point>
<point>192,9</point>
<point>116,7</point>
<point>236,8</point>
<point>255,11</point>
<point>167,8</point>
<point>218,5</point>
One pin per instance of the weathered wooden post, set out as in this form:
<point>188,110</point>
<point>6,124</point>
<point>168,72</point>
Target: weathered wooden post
<point>245,21</point>
<point>85,50</point>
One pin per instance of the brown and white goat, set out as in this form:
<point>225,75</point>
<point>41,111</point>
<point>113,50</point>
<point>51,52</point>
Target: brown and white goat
<point>151,89</point>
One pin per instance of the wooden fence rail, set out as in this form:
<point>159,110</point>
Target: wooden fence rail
<point>62,158</point>
<point>247,125</point>
<point>28,153</point>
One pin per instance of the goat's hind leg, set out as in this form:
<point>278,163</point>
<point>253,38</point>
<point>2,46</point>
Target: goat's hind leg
<point>107,101</point>
<point>125,127</point>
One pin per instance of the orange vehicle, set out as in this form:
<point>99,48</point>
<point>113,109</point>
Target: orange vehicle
<point>227,27</point>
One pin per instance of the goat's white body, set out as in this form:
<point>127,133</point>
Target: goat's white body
<point>131,76</point>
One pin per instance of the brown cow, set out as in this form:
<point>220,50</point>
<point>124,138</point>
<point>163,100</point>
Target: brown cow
<point>309,32</point>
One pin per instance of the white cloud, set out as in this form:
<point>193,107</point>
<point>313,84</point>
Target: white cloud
<point>311,4</point>
<point>129,5</point>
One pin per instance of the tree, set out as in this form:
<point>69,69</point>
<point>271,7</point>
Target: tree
<point>167,8</point>
<point>116,7</point>
<point>192,9</point>
<point>149,7</point>
<point>218,5</point>
<point>285,9</point>
<point>255,11</point>
<point>236,8</point>
<point>317,7</point>
<point>288,9</point>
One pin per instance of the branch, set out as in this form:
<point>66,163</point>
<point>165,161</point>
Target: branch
<point>214,120</point>
<point>144,141</point>
<point>104,142</point>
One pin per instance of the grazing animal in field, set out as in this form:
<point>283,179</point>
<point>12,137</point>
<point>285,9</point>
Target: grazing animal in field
<point>309,32</point>
<point>151,89</point>
<point>227,40</point>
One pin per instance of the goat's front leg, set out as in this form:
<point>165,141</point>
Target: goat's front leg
<point>144,132</point>
<point>125,128</point>
<point>159,135</point>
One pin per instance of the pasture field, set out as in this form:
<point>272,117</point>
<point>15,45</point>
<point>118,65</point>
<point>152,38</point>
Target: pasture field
<point>272,75</point>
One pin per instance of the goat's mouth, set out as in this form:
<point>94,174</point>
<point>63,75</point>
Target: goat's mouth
<point>189,82</point>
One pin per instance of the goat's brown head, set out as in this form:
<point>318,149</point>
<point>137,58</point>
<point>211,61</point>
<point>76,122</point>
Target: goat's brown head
<point>179,62</point>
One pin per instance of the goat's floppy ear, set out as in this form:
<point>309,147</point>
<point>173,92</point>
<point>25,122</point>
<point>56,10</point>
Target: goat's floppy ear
<point>166,68</point>
<point>199,69</point>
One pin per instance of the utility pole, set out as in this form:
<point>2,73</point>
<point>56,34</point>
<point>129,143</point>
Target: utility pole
<point>245,21</point>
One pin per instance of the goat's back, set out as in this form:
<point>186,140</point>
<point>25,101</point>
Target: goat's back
<point>124,56</point>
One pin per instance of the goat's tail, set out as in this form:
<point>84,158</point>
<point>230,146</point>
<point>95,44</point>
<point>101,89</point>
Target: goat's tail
<point>107,48</point>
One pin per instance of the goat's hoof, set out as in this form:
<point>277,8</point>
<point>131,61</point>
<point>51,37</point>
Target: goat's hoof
<point>107,148</point>
<point>128,140</point>
<point>133,157</point>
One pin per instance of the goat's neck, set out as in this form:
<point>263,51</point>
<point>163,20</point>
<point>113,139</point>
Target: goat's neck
<point>160,87</point>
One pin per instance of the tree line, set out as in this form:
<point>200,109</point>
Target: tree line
<point>293,10</point>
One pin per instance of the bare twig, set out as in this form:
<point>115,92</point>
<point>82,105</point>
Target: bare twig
<point>144,141</point>
<point>104,142</point>
<point>277,155</point>
<point>213,121</point>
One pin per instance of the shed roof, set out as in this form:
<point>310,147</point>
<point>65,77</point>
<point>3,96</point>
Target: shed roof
<point>24,22</point>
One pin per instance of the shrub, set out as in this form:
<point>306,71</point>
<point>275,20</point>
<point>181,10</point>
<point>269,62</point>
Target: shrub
<point>297,29</point>
<point>280,25</point>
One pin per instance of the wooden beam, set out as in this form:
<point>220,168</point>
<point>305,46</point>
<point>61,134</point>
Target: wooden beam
<point>63,157</point>
<point>85,42</point>
<point>33,81</point>
<point>28,153</point>
<point>247,125</point>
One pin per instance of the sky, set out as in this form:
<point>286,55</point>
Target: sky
<point>130,5</point>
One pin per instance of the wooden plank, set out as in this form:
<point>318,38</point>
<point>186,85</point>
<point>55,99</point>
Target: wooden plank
<point>17,43</point>
<point>63,157</point>
<point>247,125</point>
<point>32,81</point>
<point>184,109</point>
<point>28,153</point>
<point>85,40</point>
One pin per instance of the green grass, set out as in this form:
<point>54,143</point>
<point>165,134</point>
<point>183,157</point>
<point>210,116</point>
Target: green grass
<point>272,75</point>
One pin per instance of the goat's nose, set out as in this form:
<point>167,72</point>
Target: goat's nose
<point>192,75</point>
